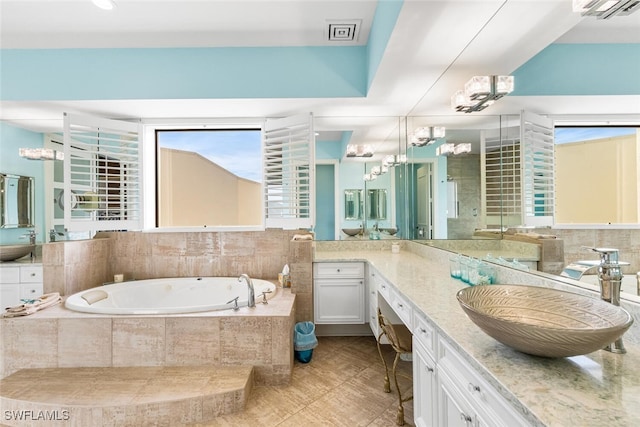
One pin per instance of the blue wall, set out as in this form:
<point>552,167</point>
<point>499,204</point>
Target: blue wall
<point>11,139</point>
<point>581,69</point>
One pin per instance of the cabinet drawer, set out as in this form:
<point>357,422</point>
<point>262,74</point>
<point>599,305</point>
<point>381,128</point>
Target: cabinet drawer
<point>384,288</point>
<point>402,308</point>
<point>31,274</point>
<point>31,291</point>
<point>424,332</point>
<point>478,391</point>
<point>335,270</point>
<point>9,274</point>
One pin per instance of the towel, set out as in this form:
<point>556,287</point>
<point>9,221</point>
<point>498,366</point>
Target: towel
<point>302,237</point>
<point>46,300</point>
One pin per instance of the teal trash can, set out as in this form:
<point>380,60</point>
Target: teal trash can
<point>304,341</point>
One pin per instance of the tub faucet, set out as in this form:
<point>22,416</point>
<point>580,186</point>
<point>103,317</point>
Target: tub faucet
<point>252,295</point>
<point>609,279</point>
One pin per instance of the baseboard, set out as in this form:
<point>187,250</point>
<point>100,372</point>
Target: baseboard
<point>343,330</point>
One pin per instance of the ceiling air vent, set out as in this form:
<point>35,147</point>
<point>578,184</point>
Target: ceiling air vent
<point>343,30</point>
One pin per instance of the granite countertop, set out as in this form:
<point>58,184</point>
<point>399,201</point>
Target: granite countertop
<point>598,389</point>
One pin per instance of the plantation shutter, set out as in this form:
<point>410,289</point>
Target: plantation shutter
<point>102,174</point>
<point>538,177</point>
<point>288,145</point>
<point>501,179</point>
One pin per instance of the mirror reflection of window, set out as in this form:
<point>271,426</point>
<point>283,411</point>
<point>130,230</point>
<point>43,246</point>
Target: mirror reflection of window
<point>597,174</point>
<point>210,177</point>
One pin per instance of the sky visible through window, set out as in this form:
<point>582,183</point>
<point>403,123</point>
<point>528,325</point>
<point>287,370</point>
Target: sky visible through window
<point>575,134</point>
<point>238,151</point>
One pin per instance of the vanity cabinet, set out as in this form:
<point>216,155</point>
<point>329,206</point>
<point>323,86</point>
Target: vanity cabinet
<point>446,390</point>
<point>339,293</point>
<point>465,398</point>
<point>19,282</point>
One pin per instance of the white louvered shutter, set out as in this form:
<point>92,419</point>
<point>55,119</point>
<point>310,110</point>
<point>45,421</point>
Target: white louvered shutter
<point>102,174</point>
<point>538,169</point>
<point>288,145</point>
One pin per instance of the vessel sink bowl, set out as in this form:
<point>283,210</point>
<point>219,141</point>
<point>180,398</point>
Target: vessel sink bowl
<point>352,231</point>
<point>544,322</point>
<point>13,252</point>
<point>390,231</point>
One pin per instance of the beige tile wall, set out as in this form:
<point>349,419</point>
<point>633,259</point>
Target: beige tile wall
<point>73,266</point>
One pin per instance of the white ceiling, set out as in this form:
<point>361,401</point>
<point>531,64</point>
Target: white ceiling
<point>435,47</point>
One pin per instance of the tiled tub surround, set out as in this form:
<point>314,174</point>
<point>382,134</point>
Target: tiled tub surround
<point>74,266</point>
<point>597,389</point>
<point>261,337</point>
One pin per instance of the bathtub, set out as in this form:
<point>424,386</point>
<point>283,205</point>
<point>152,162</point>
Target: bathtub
<point>167,295</point>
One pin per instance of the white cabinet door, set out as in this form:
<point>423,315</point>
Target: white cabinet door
<point>339,301</point>
<point>9,295</point>
<point>454,410</point>
<point>425,405</point>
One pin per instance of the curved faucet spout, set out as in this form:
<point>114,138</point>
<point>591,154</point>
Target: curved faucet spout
<point>252,296</point>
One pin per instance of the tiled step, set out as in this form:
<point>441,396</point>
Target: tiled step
<point>123,396</point>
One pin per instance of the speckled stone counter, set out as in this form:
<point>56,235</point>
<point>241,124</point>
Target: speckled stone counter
<point>598,389</point>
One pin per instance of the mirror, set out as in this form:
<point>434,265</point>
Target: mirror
<point>16,201</point>
<point>353,204</point>
<point>377,204</point>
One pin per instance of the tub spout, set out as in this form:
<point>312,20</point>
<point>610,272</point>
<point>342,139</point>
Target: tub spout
<point>252,296</point>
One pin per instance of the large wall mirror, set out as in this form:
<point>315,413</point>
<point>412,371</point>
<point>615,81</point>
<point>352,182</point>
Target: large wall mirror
<point>16,201</point>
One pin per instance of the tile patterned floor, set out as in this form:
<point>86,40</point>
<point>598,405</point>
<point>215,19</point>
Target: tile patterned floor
<point>341,386</point>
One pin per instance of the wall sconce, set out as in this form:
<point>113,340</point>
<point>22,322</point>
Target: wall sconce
<point>426,135</point>
<point>394,160</point>
<point>455,149</point>
<point>354,150</point>
<point>40,154</point>
<point>480,92</point>
<point>605,9</point>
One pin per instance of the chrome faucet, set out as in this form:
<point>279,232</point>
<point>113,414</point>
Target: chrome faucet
<point>252,294</point>
<point>609,279</point>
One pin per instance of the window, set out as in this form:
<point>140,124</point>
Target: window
<point>597,174</point>
<point>209,178</point>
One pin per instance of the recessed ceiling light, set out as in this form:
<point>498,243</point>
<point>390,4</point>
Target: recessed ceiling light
<point>105,4</point>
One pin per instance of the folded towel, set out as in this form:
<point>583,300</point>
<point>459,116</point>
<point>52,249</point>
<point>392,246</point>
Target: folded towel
<point>46,300</point>
<point>302,237</point>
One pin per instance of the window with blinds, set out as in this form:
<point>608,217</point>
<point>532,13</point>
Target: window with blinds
<point>102,174</point>
<point>289,172</point>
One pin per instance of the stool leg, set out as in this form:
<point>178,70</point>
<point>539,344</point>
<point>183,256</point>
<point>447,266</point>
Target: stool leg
<point>400,414</point>
<point>387,385</point>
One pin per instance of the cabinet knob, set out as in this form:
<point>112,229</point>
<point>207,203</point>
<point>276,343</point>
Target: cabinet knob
<point>400,305</point>
<point>429,369</point>
<point>33,274</point>
<point>473,387</point>
<point>464,417</point>
<point>338,270</point>
<point>423,330</point>
<point>33,291</point>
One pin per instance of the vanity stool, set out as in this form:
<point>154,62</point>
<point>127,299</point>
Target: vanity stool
<point>400,339</point>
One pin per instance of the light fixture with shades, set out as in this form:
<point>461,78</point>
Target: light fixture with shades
<point>369,177</point>
<point>392,160</point>
<point>480,92</point>
<point>354,150</point>
<point>40,154</point>
<point>453,149</point>
<point>605,9</point>
<point>426,135</point>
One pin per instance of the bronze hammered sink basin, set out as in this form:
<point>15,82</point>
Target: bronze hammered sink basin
<point>14,252</point>
<point>542,321</point>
